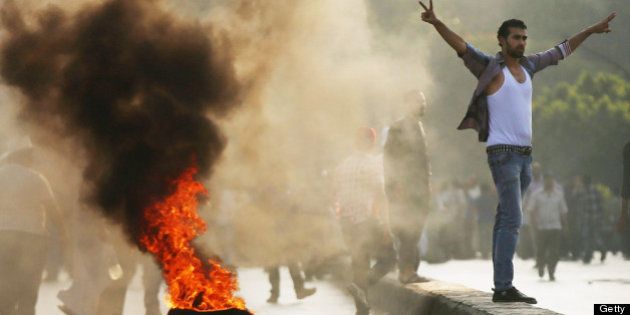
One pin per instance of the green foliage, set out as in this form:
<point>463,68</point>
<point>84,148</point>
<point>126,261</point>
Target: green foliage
<point>581,128</point>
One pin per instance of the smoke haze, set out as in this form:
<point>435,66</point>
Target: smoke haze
<point>132,85</point>
<point>303,74</point>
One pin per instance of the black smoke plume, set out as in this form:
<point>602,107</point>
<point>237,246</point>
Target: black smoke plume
<point>132,84</point>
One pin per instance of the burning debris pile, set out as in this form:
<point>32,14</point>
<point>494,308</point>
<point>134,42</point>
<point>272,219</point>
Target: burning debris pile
<point>134,87</point>
<point>175,223</point>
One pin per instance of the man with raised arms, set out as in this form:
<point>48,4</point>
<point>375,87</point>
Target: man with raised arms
<point>501,112</point>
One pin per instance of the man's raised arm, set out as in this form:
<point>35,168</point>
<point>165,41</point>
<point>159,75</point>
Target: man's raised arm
<point>449,36</point>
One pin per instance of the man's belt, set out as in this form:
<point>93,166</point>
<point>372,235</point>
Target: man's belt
<point>499,148</point>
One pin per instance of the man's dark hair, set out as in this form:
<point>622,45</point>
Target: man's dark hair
<point>504,29</point>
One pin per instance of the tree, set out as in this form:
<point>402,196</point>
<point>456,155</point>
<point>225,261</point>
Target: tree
<point>581,128</point>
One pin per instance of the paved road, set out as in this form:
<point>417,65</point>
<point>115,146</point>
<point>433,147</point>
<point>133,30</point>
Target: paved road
<point>577,288</point>
<point>254,289</point>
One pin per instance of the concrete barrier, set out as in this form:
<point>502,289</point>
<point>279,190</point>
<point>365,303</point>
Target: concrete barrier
<point>441,298</point>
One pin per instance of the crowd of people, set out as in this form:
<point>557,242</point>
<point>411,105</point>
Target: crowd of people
<point>45,229</point>
<point>586,219</point>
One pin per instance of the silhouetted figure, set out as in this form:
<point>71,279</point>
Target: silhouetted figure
<point>362,211</point>
<point>591,215</point>
<point>574,233</point>
<point>526,247</point>
<point>285,223</point>
<point>549,210</point>
<point>27,204</point>
<point>407,182</point>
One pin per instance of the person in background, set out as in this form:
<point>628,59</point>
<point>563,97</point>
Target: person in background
<point>549,210</point>
<point>286,217</point>
<point>592,213</point>
<point>95,264</point>
<point>27,207</point>
<point>407,181</point>
<point>526,247</point>
<point>362,210</point>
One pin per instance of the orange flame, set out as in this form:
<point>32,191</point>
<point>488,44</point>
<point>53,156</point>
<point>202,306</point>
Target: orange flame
<point>171,225</point>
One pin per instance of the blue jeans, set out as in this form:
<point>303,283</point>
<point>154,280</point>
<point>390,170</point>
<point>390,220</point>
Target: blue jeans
<point>511,173</point>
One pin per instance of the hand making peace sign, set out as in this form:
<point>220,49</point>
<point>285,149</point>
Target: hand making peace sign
<point>428,15</point>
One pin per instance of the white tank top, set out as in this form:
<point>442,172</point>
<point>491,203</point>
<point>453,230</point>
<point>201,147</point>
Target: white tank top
<point>510,112</point>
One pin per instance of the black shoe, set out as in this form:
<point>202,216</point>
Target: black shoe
<point>541,272</point>
<point>512,295</point>
<point>552,277</point>
<point>305,292</point>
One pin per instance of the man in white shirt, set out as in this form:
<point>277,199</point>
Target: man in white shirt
<point>549,212</point>
<point>500,110</point>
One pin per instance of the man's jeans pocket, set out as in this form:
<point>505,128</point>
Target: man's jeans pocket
<point>496,159</point>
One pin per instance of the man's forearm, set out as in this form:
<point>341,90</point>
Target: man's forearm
<point>578,38</point>
<point>451,38</point>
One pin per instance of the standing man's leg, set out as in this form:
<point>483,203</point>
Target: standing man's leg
<point>512,174</point>
<point>506,172</point>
